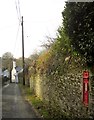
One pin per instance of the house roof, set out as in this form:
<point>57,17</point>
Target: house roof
<point>18,68</point>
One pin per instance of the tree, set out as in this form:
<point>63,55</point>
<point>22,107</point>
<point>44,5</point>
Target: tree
<point>78,25</point>
<point>19,62</point>
<point>48,44</point>
<point>7,59</point>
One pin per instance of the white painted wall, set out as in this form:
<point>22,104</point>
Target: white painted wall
<point>13,71</point>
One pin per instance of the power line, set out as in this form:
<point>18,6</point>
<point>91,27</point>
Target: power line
<point>17,4</point>
<point>16,38</point>
<point>19,9</point>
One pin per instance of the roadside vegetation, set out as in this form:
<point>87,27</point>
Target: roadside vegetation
<point>34,101</point>
<point>41,108</point>
<point>72,48</point>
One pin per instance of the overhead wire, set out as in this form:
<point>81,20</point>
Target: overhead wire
<point>17,4</point>
<point>19,9</point>
<point>16,40</point>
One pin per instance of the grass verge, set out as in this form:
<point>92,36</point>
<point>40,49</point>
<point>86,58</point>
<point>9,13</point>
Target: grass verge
<point>38,104</point>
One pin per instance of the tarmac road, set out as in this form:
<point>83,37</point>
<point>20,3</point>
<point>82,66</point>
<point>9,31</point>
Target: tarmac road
<point>13,104</point>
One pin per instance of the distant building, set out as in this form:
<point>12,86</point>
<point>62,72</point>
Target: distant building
<point>13,72</point>
<point>18,69</point>
<point>6,73</point>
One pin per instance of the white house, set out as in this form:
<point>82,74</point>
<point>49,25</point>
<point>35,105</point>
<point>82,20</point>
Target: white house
<point>13,71</point>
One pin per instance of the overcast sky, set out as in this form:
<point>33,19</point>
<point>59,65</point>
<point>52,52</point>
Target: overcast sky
<point>41,18</point>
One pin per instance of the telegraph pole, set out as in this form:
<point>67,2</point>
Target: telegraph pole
<point>23,52</point>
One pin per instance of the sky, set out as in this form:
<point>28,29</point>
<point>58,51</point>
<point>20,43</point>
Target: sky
<point>41,18</point>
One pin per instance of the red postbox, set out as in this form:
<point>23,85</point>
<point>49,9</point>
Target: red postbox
<point>86,88</point>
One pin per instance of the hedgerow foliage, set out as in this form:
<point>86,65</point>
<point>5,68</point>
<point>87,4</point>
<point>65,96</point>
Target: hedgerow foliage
<point>75,37</point>
<point>78,25</point>
<point>53,60</point>
<point>63,56</point>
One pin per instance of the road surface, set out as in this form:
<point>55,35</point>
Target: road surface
<point>13,104</point>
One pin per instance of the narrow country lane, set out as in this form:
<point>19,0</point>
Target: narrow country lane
<point>14,106</point>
